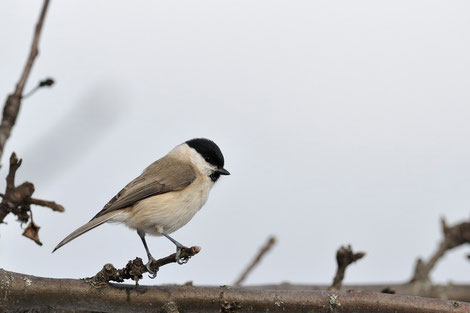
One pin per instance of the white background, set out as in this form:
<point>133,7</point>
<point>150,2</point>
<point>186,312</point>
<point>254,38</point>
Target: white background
<point>341,122</point>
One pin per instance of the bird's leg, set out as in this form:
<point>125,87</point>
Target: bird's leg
<point>153,273</point>
<point>179,247</point>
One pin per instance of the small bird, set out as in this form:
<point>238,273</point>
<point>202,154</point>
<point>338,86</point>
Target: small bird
<point>166,196</point>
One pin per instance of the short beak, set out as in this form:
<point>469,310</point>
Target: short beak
<point>223,171</point>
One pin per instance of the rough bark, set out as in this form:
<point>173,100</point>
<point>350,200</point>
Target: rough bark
<point>20,292</point>
<point>458,292</point>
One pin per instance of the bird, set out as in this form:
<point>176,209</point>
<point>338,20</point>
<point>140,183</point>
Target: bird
<point>165,197</point>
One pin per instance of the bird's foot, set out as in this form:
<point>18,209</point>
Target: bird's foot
<point>181,260</point>
<point>152,272</point>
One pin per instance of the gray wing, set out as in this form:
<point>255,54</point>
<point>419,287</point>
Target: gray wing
<point>164,175</point>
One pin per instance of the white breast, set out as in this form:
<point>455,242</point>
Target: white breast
<point>170,211</point>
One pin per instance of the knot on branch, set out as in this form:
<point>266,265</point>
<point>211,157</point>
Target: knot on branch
<point>388,290</point>
<point>10,113</point>
<point>344,257</point>
<point>136,268</point>
<point>229,307</point>
<point>133,270</point>
<point>18,199</point>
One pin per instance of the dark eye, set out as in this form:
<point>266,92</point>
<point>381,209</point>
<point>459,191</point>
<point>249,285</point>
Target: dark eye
<point>207,159</point>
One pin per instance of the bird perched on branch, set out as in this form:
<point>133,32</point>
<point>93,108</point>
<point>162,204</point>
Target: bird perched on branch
<point>166,196</point>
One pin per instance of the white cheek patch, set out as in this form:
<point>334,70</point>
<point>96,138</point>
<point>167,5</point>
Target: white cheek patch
<point>205,167</point>
<point>186,152</point>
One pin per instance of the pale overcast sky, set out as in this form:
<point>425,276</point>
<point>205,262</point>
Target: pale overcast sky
<point>340,121</point>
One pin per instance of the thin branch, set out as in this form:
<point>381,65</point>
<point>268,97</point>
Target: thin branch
<point>136,268</point>
<point>15,164</point>
<point>54,206</point>
<point>13,102</point>
<point>344,257</point>
<point>17,200</point>
<point>257,259</point>
<point>50,204</point>
<point>23,292</point>
<point>454,236</point>
<point>48,82</point>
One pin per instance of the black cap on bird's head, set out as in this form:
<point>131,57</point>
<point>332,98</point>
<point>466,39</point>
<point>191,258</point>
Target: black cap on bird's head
<point>211,153</point>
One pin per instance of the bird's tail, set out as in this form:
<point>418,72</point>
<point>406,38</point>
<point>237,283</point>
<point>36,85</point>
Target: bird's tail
<point>88,226</point>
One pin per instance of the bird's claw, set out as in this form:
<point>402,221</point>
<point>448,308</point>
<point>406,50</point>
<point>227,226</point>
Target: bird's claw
<point>152,272</point>
<point>181,260</point>
<point>152,275</point>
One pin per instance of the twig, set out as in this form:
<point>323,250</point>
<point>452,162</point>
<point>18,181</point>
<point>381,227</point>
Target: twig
<point>136,268</point>
<point>13,102</point>
<point>50,204</point>
<point>48,82</point>
<point>17,200</point>
<point>344,257</point>
<point>261,253</point>
<point>454,236</point>
<point>20,293</point>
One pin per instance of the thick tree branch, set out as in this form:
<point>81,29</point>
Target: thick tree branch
<point>449,291</point>
<point>344,257</point>
<point>13,102</point>
<point>24,292</point>
<point>261,253</point>
<point>454,236</point>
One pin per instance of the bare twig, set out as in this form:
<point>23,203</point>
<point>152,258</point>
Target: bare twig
<point>261,253</point>
<point>23,292</point>
<point>50,204</point>
<point>344,257</point>
<point>135,268</point>
<point>17,200</point>
<point>45,203</point>
<point>48,82</point>
<point>454,236</point>
<point>13,102</point>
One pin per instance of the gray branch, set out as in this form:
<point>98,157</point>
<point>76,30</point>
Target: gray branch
<point>257,259</point>
<point>344,257</point>
<point>20,292</point>
<point>453,236</point>
<point>13,102</point>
